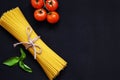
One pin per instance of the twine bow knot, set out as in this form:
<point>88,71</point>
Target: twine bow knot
<point>31,42</point>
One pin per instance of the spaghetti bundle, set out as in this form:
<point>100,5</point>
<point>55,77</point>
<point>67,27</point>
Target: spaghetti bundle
<point>16,24</point>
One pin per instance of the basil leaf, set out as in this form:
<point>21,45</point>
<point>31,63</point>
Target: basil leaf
<point>23,55</point>
<point>25,67</point>
<point>11,61</point>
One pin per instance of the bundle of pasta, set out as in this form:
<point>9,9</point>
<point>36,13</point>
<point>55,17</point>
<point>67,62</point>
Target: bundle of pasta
<point>16,24</point>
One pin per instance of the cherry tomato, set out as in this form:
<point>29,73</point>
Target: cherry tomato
<point>53,17</point>
<point>37,3</point>
<point>51,5</point>
<point>40,14</point>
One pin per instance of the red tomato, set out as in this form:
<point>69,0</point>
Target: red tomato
<point>51,5</point>
<point>40,14</point>
<point>53,17</point>
<point>37,3</point>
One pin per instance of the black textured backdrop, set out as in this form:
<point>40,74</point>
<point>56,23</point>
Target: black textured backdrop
<point>87,37</point>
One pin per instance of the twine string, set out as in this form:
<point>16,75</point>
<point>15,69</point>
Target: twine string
<point>31,42</point>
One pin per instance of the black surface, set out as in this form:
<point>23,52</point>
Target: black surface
<point>87,37</point>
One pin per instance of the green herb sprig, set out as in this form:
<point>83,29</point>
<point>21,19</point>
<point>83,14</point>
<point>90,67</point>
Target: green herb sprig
<point>18,60</point>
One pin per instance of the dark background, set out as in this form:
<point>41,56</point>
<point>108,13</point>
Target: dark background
<point>87,37</point>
